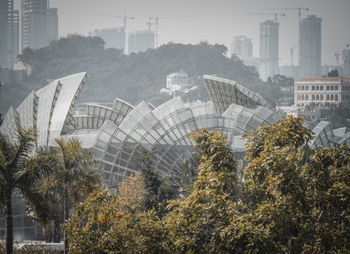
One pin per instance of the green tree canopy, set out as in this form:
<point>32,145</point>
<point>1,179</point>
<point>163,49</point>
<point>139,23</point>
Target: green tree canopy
<point>21,171</point>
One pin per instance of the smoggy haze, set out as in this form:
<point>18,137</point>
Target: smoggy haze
<point>216,21</point>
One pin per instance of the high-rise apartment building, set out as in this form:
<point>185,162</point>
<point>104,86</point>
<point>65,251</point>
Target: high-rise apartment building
<point>310,47</point>
<point>113,37</point>
<point>140,41</point>
<point>346,62</point>
<point>242,47</point>
<point>269,46</point>
<point>9,34</point>
<point>52,24</point>
<point>39,23</point>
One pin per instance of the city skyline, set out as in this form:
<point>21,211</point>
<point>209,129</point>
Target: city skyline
<point>213,21</point>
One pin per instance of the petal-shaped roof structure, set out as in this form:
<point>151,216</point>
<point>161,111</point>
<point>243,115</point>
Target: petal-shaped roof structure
<point>48,110</point>
<point>10,124</point>
<point>121,133</point>
<point>323,136</point>
<point>27,111</point>
<point>62,114</point>
<point>166,130</point>
<point>224,92</point>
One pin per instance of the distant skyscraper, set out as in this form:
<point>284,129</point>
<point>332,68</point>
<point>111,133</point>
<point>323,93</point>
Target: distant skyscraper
<point>346,62</point>
<point>9,34</point>
<point>242,46</point>
<point>140,41</point>
<point>52,24</point>
<point>269,46</point>
<point>113,37</point>
<point>310,47</point>
<point>34,23</point>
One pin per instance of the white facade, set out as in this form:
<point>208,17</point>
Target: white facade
<point>310,47</point>
<point>52,24</point>
<point>141,41</point>
<point>269,46</point>
<point>113,37</point>
<point>242,47</point>
<point>177,81</point>
<point>322,91</point>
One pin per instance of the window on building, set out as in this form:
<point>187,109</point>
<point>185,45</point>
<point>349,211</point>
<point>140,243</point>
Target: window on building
<point>306,97</point>
<point>302,88</point>
<point>317,97</point>
<point>332,88</point>
<point>313,97</point>
<point>313,88</point>
<point>317,88</point>
<point>336,97</point>
<point>302,97</point>
<point>332,97</point>
<point>321,88</point>
<point>327,97</point>
<point>321,97</point>
<point>336,87</point>
<point>327,88</point>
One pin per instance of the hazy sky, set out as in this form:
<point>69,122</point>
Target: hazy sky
<point>216,21</point>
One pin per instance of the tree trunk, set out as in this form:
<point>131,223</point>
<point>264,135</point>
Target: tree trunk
<point>57,228</point>
<point>66,217</point>
<point>47,229</point>
<point>9,222</point>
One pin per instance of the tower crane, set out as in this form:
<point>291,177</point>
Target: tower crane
<point>155,21</point>
<point>124,17</point>
<point>299,9</point>
<point>292,54</point>
<point>268,14</point>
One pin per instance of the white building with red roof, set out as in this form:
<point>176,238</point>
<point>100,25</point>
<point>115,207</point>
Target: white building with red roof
<point>322,91</point>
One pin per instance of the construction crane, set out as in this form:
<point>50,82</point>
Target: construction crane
<point>155,21</point>
<point>124,17</point>
<point>125,20</point>
<point>268,14</point>
<point>299,9</point>
<point>292,54</point>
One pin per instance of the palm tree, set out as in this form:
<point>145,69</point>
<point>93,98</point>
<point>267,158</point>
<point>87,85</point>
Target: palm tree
<point>73,179</point>
<point>20,171</point>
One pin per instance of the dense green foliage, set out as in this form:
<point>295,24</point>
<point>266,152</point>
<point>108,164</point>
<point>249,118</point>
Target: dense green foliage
<point>69,183</point>
<point>133,77</point>
<point>157,190</point>
<point>292,200</point>
<point>21,172</point>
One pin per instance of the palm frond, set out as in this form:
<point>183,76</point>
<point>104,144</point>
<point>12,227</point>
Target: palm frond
<point>5,147</point>
<point>22,149</point>
<point>36,200</point>
<point>36,167</point>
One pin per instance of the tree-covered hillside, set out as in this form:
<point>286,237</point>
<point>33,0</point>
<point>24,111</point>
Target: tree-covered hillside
<point>133,77</point>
